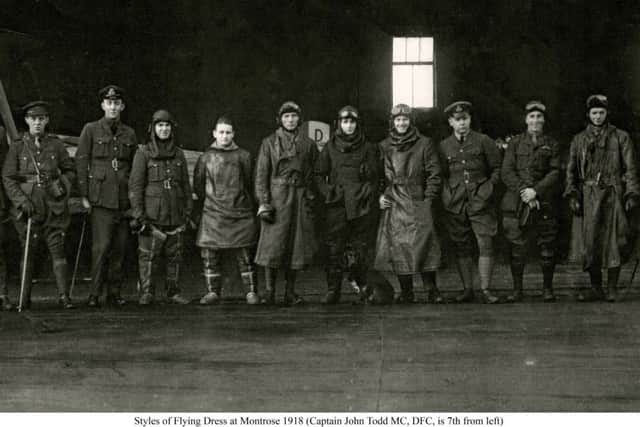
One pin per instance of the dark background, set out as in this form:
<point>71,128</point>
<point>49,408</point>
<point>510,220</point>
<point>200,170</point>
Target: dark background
<point>201,59</point>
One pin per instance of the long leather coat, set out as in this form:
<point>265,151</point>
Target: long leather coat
<point>407,242</point>
<point>602,175</point>
<point>284,182</point>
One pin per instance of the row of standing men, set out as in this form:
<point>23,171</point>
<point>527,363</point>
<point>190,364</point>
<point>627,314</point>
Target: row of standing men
<point>146,190</point>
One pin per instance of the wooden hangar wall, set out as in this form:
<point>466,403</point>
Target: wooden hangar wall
<point>204,58</point>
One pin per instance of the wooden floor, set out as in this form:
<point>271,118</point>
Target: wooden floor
<point>523,357</point>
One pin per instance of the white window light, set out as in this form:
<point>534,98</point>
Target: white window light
<point>413,72</point>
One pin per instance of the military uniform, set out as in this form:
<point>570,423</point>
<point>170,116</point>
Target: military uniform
<point>471,172</point>
<point>222,180</point>
<point>161,203</point>
<point>531,161</point>
<point>602,187</point>
<point>346,173</point>
<point>283,186</point>
<point>37,176</point>
<point>104,156</point>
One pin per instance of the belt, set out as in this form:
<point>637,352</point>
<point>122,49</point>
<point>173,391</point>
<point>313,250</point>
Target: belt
<point>293,182</point>
<point>467,176</point>
<point>115,163</point>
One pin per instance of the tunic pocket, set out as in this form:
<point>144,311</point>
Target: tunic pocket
<point>126,148</point>
<point>96,179</point>
<point>101,149</point>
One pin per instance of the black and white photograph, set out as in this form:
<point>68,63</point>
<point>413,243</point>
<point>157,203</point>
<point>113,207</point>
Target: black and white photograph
<point>319,212</point>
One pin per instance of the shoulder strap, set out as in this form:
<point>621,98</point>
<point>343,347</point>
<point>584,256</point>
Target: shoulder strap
<point>33,160</point>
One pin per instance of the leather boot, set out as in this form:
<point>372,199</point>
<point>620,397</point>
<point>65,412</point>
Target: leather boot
<point>613,274</point>
<point>431,287</point>
<point>334,285</point>
<point>406,289</point>
<point>595,293</point>
<point>60,271</point>
<point>465,269</point>
<point>517,272</point>
<point>485,268</point>
<point>290,296</point>
<point>269,296</point>
<point>249,281</point>
<point>548,268</point>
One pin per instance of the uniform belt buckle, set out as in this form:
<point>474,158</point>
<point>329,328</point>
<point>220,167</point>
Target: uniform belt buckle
<point>466,175</point>
<point>167,184</point>
<point>114,164</point>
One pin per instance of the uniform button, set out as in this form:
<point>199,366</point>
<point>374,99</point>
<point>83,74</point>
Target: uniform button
<point>39,164</point>
<point>461,150</point>
<point>115,148</point>
<point>466,181</point>
<point>463,162</point>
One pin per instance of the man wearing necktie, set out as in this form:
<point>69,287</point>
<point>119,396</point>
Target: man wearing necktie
<point>104,157</point>
<point>471,172</point>
<point>37,176</point>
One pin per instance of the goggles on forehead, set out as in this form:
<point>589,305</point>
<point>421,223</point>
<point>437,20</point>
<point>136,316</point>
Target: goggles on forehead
<point>401,110</point>
<point>535,106</point>
<point>348,113</point>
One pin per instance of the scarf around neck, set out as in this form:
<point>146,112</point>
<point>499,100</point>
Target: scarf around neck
<point>405,140</point>
<point>347,143</point>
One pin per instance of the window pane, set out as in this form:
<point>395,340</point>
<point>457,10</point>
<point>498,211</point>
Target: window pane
<point>402,86</point>
<point>422,86</point>
<point>413,49</point>
<point>399,49</point>
<point>426,49</point>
